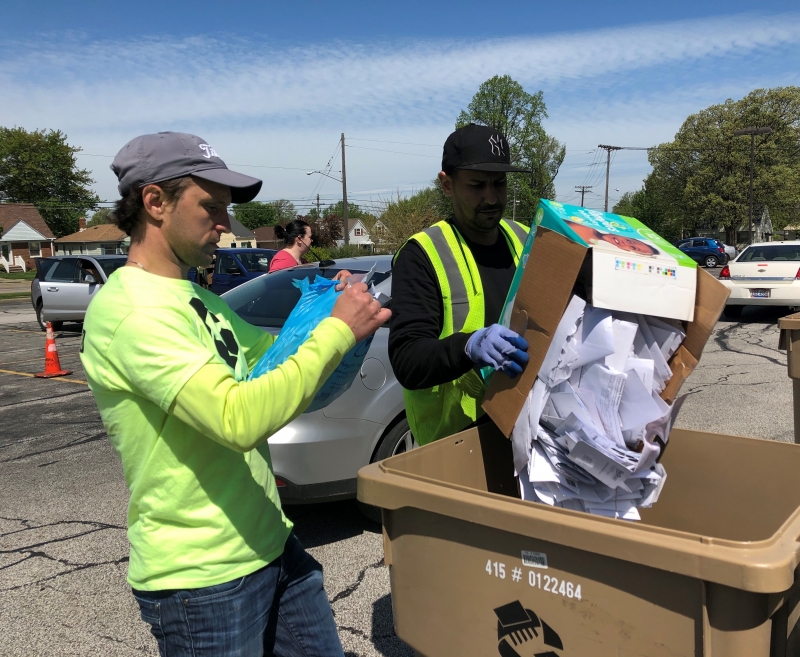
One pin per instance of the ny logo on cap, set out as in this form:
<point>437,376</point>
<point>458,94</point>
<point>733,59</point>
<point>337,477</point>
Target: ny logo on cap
<point>208,152</point>
<point>496,142</point>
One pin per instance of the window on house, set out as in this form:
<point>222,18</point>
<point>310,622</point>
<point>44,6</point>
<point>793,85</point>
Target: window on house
<point>358,232</point>
<point>108,249</point>
<point>35,249</point>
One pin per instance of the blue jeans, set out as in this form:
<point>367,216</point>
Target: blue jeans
<point>279,610</point>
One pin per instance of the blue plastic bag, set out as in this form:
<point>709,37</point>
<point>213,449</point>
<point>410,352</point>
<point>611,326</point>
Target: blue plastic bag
<point>315,304</point>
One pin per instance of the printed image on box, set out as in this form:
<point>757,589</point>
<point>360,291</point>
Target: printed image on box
<point>633,268</point>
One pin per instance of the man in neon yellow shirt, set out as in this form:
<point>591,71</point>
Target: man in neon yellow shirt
<point>214,565</point>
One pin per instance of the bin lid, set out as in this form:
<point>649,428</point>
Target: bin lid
<point>790,322</point>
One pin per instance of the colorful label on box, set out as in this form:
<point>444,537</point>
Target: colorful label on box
<point>633,268</point>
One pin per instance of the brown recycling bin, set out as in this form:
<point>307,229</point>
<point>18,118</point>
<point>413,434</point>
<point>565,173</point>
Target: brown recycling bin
<point>709,571</point>
<point>790,342</point>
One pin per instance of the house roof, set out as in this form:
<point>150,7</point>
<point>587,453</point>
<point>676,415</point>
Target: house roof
<point>239,230</point>
<point>12,213</point>
<point>265,234</point>
<point>101,233</point>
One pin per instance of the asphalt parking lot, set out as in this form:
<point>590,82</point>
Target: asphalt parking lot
<point>63,548</point>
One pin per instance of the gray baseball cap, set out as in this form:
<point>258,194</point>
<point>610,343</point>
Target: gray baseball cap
<point>167,155</point>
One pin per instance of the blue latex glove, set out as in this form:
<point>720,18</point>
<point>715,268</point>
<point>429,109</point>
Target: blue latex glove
<point>498,347</point>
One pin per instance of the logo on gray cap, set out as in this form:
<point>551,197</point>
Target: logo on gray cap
<point>152,159</point>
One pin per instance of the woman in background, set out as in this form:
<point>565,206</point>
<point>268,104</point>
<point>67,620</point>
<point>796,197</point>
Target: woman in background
<point>297,239</point>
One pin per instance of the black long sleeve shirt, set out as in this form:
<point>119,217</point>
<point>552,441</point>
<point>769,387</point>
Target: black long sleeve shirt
<point>418,357</point>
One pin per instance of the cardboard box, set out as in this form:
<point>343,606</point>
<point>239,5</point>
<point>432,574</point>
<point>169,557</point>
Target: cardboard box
<point>711,571</point>
<point>633,268</point>
<point>556,267</point>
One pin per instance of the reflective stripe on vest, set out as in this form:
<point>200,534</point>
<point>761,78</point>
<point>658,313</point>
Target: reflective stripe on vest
<point>437,412</point>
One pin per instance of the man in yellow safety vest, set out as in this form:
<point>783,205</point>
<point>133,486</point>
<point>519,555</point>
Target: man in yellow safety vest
<point>449,283</point>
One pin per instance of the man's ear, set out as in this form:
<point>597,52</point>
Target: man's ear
<point>154,202</point>
<point>447,183</point>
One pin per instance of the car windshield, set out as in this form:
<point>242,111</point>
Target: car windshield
<point>110,265</point>
<point>771,253</point>
<point>267,300</point>
<point>255,260</point>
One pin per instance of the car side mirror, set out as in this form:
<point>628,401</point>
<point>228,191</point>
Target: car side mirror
<point>88,278</point>
<point>232,270</point>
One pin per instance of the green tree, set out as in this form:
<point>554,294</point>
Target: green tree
<point>353,211</point>
<point>255,214</point>
<point>284,210</point>
<point>405,216</point>
<point>326,230</point>
<point>644,205</point>
<point>39,167</point>
<point>102,216</point>
<point>502,103</point>
<point>701,178</point>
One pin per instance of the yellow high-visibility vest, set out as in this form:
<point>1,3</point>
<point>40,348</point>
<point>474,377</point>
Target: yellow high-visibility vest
<point>448,408</point>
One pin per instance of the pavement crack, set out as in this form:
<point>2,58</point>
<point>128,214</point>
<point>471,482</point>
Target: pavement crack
<point>28,402</point>
<point>361,633</point>
<point>96,527</point>
<point>73,443</point>
<point>77,568</point>
<point>346,593</point>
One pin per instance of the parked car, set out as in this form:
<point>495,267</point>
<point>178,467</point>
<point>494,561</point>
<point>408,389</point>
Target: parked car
<point>765,274</point>
<point>730,251</point>
<point>318,455</point>
<point>708,252</point>
<point>64,286</point>
<point>236,266</point>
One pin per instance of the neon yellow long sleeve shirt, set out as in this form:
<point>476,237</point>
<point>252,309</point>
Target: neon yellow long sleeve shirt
<point>167,362</point>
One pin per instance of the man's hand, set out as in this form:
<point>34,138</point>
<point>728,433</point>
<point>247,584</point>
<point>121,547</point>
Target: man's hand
<point>498,347</point>
<point>342,277</point>
<point>363,314</point>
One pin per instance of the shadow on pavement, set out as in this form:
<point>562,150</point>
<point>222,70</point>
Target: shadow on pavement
<point>329,522</point>
<point>760,315</point>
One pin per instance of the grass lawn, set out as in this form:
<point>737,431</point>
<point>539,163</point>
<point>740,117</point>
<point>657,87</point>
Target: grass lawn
<point>25,276</point>
<point>15,295</point>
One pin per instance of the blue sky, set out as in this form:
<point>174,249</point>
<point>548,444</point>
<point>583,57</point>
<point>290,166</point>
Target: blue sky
<point>272,85</point>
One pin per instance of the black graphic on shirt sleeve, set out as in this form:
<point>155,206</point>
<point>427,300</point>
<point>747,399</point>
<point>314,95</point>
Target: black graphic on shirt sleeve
<point>224,339</point>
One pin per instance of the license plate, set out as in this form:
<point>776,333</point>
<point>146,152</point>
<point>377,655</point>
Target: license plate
<point>759,294</point>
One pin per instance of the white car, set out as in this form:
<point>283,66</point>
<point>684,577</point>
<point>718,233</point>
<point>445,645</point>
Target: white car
<point>730,251</point>
<point>765,274</point>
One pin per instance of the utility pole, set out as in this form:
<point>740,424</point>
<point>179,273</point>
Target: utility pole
<point>318,215</point>
<point>608,150</point>
<point>582,189</point>
<point>345,229</point>
<point>752,131</point>
<point>514,209</point>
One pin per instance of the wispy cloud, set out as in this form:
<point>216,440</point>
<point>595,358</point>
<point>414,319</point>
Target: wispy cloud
<point>205,79</point>
<point>247,90</point>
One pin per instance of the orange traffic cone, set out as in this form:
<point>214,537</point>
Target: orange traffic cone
<point>52,366</point>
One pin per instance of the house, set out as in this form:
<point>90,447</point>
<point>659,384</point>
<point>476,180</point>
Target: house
<point>358,234</point>
<point>265,238</point>
<point>238,237</point>
<point>105,239</point>
<point>24,236</point>
<point>762,229</point>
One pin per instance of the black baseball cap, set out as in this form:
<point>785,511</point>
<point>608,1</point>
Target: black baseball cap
<point>478,148</point>
<point>168,155</point>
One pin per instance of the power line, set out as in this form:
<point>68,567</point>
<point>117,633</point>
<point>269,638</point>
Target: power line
<point>381,150</point>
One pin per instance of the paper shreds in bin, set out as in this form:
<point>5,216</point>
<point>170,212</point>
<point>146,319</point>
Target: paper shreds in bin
<point>593,425</point>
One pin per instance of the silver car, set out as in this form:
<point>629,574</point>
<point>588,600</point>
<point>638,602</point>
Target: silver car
<point>318,455</point>
<point>64,286</point>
